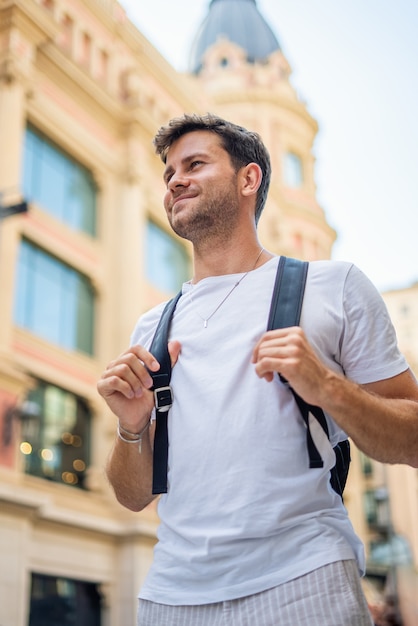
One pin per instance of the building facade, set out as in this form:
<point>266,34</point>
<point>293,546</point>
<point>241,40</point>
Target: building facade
<point>82,93</point>
<point>401,482</point>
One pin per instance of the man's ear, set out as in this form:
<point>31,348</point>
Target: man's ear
<point>250,178</point>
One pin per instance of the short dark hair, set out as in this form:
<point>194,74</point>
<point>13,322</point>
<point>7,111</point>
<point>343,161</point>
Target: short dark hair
<point>242,145</point>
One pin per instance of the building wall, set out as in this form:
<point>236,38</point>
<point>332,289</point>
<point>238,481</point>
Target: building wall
<point>84,77</point>
<point>402,305</point>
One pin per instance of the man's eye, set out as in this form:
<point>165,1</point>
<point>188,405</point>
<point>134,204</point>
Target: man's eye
<point>194,163</point>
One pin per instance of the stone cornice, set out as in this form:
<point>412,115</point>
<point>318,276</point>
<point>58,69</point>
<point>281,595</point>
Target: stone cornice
<point>151,62</point>
<point>12,377</point>
<point>42,507</point>
<point>29,18</point>
<point>23,27</point>
<point>269,96</point>
<point>73,78</point>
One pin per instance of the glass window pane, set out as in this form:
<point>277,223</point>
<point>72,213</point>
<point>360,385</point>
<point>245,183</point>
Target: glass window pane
<point>64,602</point>
<point>31,160</point>
<point>167,262</point>
<point>80,199</point>
<point>293,171</point>
<point>52,181</point>
<point>53,300</point>
<point>60,185</point>
<point>44,306</point>
<point>56,435</point>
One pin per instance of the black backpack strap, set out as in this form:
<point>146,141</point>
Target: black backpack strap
<point>285,310</point>
<point>163,397</point>
<point>289,288</point>
<point>339,472</point>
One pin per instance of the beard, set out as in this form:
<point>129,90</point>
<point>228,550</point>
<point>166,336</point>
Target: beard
<point>213,216</point>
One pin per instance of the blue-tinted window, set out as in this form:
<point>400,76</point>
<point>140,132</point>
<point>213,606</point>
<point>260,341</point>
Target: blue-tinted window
<point>167,262</point>
<point>293,170</point>
<point>64,602</point>
<point>53,300</point>
<point>60,185</point>
<point>55,435</point>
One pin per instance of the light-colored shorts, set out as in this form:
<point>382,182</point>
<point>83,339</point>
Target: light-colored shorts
<point>328,596</point>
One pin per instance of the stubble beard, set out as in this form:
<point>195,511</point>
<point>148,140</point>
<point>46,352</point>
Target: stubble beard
<point>211,220</point>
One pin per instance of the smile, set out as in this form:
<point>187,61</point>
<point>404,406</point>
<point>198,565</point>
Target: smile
<point>181,199</point>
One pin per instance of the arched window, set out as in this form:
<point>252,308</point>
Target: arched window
<point>293,170</point>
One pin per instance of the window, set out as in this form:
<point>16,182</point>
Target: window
<point>60,185</point>
<point>377,507</point>
<point>66,32</point>
<point>55,435</point>
<point>63,602</point>
<point>394,550</point>
<point>85,49</point>
<point>293,171</point>
<point>366,465</point>
<point>53,300</point>
<point>167,262</point>
<point>48,4</point>
<point>370,507</point>
<point>103,65</point>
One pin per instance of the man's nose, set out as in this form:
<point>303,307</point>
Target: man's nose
<point>178,179</point>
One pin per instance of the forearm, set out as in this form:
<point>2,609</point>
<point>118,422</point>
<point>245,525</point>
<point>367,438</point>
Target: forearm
<point>383,427</point>
<point>129,471</point>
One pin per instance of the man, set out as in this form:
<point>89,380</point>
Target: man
<point>249,535</point>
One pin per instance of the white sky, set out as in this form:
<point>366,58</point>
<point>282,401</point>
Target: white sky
<point>355,63</point>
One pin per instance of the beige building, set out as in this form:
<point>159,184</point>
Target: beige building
<point>82,93</point>
<point>401,481</point>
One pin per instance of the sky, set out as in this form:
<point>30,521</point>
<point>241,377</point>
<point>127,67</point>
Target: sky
<point>355,64</point>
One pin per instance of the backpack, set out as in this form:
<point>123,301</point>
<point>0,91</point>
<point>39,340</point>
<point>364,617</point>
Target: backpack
<point>285,310</point>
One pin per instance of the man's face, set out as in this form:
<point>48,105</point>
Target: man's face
<point>202,199</point>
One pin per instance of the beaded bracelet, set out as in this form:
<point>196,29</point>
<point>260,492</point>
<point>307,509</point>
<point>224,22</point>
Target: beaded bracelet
<point>135,437</point>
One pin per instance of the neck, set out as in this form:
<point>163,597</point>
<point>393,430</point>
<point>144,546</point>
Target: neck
<point>229,260</point>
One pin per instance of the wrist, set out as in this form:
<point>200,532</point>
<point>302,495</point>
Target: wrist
<point>129,437</point>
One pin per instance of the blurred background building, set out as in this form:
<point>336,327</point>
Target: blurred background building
<point>85,249</point>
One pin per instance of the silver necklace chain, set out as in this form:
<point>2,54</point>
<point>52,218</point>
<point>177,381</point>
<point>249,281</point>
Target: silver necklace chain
<point>206,319</point>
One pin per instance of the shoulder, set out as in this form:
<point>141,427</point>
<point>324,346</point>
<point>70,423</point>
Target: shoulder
<point>341,279</point>
<point>326,269</point>
<point>146,325</point>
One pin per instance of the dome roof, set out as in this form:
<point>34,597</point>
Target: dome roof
<point>239,21</point>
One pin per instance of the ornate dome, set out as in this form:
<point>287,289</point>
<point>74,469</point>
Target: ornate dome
<point>239,21</point>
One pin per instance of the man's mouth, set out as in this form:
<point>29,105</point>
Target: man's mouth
<point>181,199</point>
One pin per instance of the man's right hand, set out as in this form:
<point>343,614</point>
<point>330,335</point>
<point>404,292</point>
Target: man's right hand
<point>126,385</point>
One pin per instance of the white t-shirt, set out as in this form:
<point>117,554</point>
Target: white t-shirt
<point>244,512</point>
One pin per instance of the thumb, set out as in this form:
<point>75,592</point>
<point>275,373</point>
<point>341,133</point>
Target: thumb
<point>174,348</point>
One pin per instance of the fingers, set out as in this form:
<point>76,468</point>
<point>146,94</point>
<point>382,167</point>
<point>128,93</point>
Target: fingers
<point>128,374</point>
<point>278,351</point>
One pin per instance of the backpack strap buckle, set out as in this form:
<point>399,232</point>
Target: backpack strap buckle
<point>163,397</point>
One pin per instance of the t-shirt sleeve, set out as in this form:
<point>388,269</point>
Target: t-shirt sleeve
<point>146,326</point>
<point>369,350</point>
